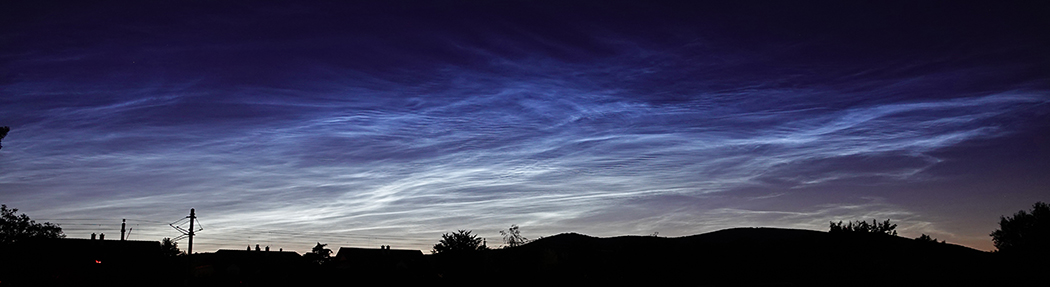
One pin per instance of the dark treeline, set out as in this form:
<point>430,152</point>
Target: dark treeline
<point>850,254</point>
<point>742,256</point>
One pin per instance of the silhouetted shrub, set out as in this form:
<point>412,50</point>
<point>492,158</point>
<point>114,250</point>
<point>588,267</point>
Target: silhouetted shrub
<point>169,247</point>
<point>927,238</point>
<point>319,254</point>
<point>3,133</point>
<point>512,237</point>
<point>862,227</point>
<point>459,241</point>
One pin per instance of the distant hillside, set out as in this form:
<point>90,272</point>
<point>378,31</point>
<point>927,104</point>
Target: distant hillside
<point>732,257</point>
<point>741,256</point>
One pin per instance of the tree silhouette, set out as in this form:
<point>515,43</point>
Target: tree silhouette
<point>512,236</point>
<point>19,227</point>
<point>169,247</point>
<point>319,254</point>
<point>862,227</point>
<point>459,241</point>
<point>3,133</point>
<point>320,250</point>
<point>927,238</point>
<point>1024,232</point>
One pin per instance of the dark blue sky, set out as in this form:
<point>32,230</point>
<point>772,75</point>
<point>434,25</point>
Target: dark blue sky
<point>367,125</point>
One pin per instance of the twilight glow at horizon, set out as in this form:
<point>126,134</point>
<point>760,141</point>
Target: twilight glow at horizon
<point>367,125</point>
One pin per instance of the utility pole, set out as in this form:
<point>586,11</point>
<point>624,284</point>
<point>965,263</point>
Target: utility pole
<point>193,217</point>
<point>187,232</point>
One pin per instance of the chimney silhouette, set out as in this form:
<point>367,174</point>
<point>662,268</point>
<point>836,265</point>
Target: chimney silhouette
<point>92,236</point>
<point>123,222</point>
<point>101,236</point>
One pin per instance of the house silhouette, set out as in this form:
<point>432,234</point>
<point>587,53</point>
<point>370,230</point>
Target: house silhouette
<point>393,264</point>
<point>71,261</point>
<point>246,267</point>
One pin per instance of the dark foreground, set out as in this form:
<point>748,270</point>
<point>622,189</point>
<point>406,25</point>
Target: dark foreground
<point>733,257</point>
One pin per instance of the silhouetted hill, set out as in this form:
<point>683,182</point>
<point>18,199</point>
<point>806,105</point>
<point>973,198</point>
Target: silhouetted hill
<point>743,256</point>
<point>731,257</point>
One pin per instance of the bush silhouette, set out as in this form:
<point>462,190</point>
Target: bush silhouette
<point>3,133</point>
<point>1025,232</point>
<point>459,241</point>
<point>512,236</point>
<point>319,254</point>
<point>862,227</point>
<point>169,247</point>
<point>927,238</point>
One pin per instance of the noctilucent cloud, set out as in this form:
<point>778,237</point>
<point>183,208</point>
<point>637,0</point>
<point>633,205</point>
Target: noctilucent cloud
<point>285,125</point>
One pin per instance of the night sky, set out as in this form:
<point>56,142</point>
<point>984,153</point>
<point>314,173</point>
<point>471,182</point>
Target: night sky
<point>389,124</point>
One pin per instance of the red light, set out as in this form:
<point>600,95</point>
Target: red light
<point>98,261</point>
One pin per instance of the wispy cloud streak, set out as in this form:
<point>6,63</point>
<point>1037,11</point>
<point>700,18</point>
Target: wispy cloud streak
<point>617,133</point>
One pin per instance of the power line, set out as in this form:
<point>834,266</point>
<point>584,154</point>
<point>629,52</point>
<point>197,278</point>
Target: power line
<point>187,232</point>
<point>234,235</point>
<point>240,233</point>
